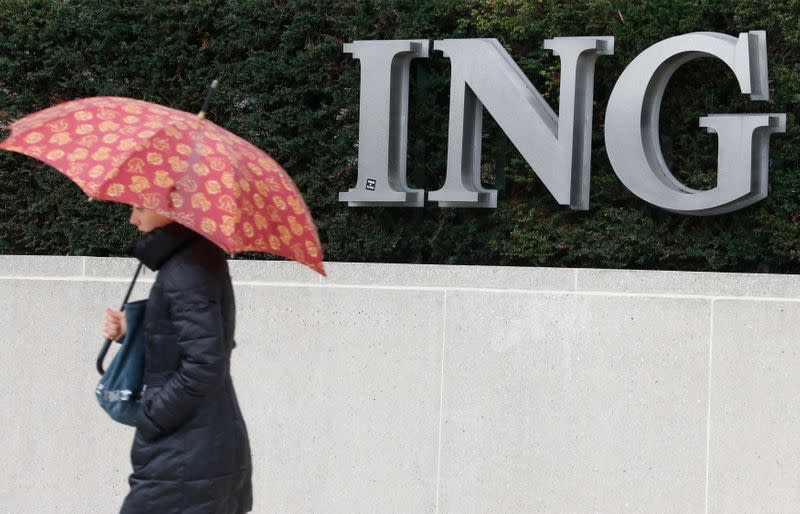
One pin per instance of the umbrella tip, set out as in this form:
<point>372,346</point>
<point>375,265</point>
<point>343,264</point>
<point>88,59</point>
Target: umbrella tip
<point>211,88</point>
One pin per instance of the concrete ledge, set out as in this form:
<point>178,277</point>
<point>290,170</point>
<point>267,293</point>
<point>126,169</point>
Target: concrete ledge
<point>430,275</point>
<point>689,283</point>
<point>272,271</point>
<point>112,267</point>
<point>438,276</point>
<point>40,266</point>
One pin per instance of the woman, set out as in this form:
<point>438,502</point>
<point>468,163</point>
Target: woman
<point>190,454</point>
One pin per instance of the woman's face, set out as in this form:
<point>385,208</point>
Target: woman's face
<point>147,220</point>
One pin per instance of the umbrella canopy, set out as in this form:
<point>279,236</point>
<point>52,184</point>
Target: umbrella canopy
<point>177,164</point>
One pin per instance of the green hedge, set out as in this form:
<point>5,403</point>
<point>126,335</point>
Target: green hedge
<point>287,87</point>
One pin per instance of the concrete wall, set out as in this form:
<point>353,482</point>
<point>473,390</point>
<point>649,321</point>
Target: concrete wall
<point>399,388</point>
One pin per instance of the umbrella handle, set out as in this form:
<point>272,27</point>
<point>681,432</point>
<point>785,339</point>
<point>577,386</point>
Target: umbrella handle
<point>102,357</point>
<point>104,350</point>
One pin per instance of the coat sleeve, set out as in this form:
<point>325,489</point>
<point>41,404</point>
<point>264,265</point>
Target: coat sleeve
<point>197,318</point>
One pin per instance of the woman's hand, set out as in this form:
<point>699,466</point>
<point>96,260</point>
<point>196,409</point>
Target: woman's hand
<point>114,325</point>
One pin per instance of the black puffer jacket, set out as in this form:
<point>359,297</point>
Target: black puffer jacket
<point>191,454</point>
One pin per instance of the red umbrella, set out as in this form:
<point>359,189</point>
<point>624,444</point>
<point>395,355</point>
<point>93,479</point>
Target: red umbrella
<point>177,164</point>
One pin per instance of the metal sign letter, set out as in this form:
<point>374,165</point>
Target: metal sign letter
<point>632,132</point>
<point>557,147</point>
<point>383,123</point>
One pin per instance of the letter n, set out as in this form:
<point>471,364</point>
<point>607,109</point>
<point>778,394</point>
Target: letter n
<point>557,147</point>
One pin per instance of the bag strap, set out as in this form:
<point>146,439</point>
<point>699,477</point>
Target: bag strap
<point>107,342</point>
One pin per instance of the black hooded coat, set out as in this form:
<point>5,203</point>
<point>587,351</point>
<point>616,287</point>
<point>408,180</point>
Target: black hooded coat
<point>191,453</point>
